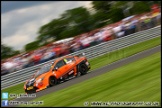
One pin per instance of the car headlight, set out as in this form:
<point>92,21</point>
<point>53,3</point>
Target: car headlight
<point>39,80</point>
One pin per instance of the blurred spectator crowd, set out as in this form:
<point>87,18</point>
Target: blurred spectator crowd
<point>122,28</point>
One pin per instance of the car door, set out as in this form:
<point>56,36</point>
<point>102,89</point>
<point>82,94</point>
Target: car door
<point>70,65</point>
<point>60,68</point>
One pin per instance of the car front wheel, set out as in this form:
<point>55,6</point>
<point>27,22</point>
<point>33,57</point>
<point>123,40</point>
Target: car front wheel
<point>52,81</point>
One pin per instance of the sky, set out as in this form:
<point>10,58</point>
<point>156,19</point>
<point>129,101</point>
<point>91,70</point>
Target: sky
<point>21,20</point>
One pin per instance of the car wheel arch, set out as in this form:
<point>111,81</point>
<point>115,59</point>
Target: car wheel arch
<point>52,77</point>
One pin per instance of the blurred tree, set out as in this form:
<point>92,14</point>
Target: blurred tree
<point>107,11</point>
<point>153,2</point>
<point>116,14</point>
<point>125,7</point>
<point>52,29</point>
<point>7,51</point>
<point>97,21</point>
<point>78,17</point>
<point>103,6</point>
<point>140,7</point>
<point>71,23</point>
<point>120,4</point>
<point>70,32</point>
<point>100,16</point>
<point>32,46</point>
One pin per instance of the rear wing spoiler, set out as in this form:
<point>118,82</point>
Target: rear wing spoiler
<point>82,54</point>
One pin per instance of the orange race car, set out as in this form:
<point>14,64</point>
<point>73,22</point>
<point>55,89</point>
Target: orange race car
<point>60,70</point>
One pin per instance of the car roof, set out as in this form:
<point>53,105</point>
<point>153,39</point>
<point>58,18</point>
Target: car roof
<point>58,59</point>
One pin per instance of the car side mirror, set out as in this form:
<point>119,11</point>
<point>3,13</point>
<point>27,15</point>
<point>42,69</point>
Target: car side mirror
<point>55,69</point>
<point>83,54</point>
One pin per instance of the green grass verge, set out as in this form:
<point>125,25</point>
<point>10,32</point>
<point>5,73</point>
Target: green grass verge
<point>136,82</point>
<point>123,53</point>
<point>104,59</point>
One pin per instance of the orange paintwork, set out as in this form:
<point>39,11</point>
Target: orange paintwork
<point>57,74</point>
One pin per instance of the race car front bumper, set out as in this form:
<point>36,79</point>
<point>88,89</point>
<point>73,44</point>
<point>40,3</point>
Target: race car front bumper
<point>31,90</point>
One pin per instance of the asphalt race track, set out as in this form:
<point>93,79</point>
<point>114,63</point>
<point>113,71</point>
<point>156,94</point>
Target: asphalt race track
<point>94,73</point>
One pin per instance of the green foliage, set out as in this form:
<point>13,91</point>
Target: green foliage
<point>101,15</point>
<point>77,14</point>
<point>140,7</point>
<point>120,4</point>
<point>7,51</point>
<point>77,17</point>
<point>103,6</point>
<point>70,32</point>
<point>153,2</point>
<point>71,23</point>
<point>32,46</point>
<point>116,14</point>
<point>53,28</point>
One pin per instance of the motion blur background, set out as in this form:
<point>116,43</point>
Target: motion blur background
<point>88,24</point>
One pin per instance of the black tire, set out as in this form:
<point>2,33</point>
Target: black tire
<point>83,69</point>
<point>52,81</point>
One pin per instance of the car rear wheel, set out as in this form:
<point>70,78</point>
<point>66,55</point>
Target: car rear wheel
<point>83,69</point>
<point>52,81</point>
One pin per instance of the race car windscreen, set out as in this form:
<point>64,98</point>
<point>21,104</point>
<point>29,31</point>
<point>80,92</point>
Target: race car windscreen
<point>43,69</point>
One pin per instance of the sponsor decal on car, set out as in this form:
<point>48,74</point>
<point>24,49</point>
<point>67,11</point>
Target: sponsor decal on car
<point>29,88</point>
<point>71,72</point>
